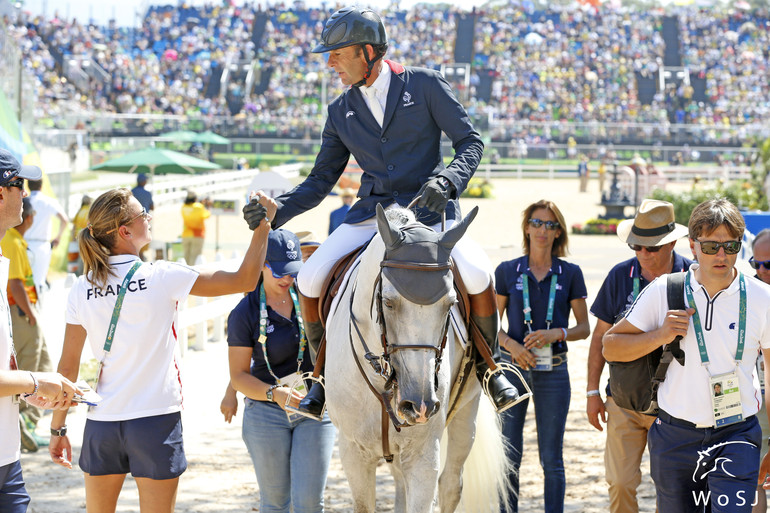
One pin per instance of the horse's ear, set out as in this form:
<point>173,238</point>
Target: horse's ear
<point>450,237</point>
<point>389,235</point>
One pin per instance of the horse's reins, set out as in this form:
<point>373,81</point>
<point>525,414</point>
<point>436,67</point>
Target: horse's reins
<point>381,364</point>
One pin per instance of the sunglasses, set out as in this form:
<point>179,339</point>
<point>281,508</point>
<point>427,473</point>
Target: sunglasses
<point>537,223</point>
<point>649,249</point>
<point>756,264</point>
<point>143,214</point>
<point>710,247</point>
<point>19,183</point>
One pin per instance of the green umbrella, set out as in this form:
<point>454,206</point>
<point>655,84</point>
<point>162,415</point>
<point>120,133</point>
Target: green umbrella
<point>156,160</point>
<point>209,137</point>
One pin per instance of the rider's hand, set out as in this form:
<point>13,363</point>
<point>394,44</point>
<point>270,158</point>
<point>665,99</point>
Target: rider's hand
<point>435,194</point>
<point>254,213</point>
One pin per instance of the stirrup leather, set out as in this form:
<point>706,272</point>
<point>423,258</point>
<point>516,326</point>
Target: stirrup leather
<point>505,366</point>
<point>299,385</point>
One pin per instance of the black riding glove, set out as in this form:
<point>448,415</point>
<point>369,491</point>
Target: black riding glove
<point>435,194</point>
<point>254,213</point>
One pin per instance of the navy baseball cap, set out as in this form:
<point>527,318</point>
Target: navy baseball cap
<point>10,169</point>
<point>283,253</point>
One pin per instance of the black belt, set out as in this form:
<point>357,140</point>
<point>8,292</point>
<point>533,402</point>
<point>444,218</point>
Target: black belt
<point>668,419</point>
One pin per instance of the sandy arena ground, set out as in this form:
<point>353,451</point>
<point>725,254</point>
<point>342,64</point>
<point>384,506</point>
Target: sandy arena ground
<point>220,476</point>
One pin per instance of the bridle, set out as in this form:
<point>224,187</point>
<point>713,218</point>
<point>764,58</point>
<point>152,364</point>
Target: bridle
<point>381,363</point>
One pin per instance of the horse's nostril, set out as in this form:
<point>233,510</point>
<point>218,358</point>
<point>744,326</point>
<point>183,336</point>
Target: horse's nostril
<point>407,407</point>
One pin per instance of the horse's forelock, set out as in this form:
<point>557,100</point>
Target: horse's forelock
<point>399,217</point>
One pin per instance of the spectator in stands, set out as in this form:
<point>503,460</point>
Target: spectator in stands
<point>194,215</point>
<point>38,235</point>
<point>337,217</point>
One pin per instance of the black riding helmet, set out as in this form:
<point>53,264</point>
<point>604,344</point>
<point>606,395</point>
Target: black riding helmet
<point>354,26</point>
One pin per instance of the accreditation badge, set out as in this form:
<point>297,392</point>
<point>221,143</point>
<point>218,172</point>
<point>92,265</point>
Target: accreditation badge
<point>543,358</point>
<point>761,372</point>
<point>726,399</point>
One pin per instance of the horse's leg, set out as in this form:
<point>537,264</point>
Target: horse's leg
<point>361,473</point>
<point>460,436</point>
<point>420,471</point>
<point>399,504</point>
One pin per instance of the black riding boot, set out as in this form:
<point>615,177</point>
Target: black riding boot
<point>501,391</point>
<point>484,314</point>
<point>313,403</point>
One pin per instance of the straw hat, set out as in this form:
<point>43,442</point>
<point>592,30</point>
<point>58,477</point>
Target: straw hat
<point>347,192</point>
<point>654,225</point>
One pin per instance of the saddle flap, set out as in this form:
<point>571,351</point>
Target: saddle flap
<point>334,281</point>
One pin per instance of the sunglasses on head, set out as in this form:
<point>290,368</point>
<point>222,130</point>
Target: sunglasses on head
<point>756,264</point>
<point>537,223</point>
<point>649,249</point>
<point>18,183</point>
<point>710,247</point>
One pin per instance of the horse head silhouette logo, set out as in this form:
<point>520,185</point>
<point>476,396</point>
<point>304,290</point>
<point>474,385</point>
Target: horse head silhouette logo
<point>707,463</point>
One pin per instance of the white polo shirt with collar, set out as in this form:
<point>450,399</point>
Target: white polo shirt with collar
<point>686,392</point>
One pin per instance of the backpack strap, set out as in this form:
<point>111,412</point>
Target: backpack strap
<point>671,351</point>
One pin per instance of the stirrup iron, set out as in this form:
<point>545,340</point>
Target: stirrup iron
<point>505,366</point>
<point>299,385</point>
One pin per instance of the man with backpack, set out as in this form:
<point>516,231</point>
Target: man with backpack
<point>652,235</point>
<point>704,448</point>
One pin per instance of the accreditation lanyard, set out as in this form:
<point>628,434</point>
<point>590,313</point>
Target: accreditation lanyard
<point>637,287</point>
<point>263,329</point>
<point>528,308</point>
<point>114,320</point>
<point>699,336</point>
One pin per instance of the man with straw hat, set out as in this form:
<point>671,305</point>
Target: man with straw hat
<point>652,235</point>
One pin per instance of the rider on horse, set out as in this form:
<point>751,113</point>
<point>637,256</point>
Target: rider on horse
<point>391,118</point>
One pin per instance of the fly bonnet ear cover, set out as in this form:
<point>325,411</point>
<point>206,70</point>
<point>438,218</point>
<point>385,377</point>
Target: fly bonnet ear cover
<point>418,244</point>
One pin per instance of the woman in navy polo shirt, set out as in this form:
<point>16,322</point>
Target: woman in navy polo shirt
<point>537,292</point>
<point>268,349</point>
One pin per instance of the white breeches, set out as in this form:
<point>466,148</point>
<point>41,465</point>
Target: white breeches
<point>473,264</point>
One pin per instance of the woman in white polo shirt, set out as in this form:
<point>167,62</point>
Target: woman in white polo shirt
<point>137,425</point>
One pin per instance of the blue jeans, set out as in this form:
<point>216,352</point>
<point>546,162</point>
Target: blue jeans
<point>13,495</point>
<point>551,394</point>
<point>291,459</point>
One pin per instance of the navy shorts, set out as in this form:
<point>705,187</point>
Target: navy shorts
<point>148,447</point>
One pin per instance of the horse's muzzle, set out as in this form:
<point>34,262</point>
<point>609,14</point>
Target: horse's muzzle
<point>413,413</point>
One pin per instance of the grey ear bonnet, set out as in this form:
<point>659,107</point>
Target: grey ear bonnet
<point>415,242</point>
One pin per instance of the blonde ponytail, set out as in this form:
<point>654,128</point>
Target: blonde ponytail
<point>97,240</point>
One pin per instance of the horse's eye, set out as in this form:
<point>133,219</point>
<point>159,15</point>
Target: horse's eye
<point>388,304</point>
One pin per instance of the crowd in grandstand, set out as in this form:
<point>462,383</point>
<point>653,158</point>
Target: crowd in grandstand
<point>550,66</point>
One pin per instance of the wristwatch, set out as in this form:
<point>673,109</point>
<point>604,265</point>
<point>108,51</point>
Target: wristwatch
<point>59,432</point>
<point>269,393</point>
